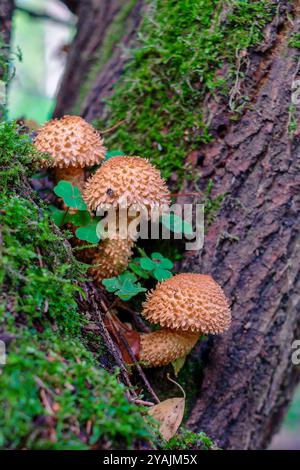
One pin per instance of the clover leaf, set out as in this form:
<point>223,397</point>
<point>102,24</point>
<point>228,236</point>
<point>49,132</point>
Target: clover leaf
<point>157,266</point>
<point>80,218</point>
<point>71,195</point>
<point>57,215</point>
<point>124,285</point>
<point>88,232</point>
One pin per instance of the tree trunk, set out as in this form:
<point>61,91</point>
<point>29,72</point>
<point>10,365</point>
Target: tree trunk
<point>252,248</point>
<point>6,10</point>
<point>100,24</point>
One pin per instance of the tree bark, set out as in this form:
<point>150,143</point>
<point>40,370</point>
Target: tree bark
<point>94,23</point>
<point>252,248</point>
<point>6,10</point>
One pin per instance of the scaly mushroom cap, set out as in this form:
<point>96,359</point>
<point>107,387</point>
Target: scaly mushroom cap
<point>130,179</point>
<point>164,346</point>
<point>71,141</point>
<point>112,258</point>
<point>188,302</point>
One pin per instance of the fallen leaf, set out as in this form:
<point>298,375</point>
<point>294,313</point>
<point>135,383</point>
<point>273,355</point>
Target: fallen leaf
<point>178,364</point>
<point>169,414</point>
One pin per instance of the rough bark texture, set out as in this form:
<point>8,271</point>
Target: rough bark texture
<point>6,10</point>
<point>252,248</point>
<point>95,17</point>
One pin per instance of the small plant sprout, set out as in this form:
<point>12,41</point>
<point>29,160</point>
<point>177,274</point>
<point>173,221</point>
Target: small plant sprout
<point>186,306</point>
<point>73,145</point>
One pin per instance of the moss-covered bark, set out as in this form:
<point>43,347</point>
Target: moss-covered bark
<point>53,393</point>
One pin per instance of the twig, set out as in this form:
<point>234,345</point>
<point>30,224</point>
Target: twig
<point>110,129</point>
<point>135,316</point>
<point>140,370</point>
<point>111,345</point>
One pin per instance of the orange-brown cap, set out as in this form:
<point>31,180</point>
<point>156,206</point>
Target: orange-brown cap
<point>112,258</point>
<point>71,141</point>
<point>164,346</point>
<point>130,179</point>
<point>188,302</point>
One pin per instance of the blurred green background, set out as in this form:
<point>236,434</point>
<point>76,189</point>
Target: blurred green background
<point>43,44</point>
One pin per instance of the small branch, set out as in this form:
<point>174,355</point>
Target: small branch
<point>140,370</point>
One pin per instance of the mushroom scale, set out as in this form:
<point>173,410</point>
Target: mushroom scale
<point>73,143</point>
<point>189,302</point>
<point>186,306</point>
<point>164,346</point>
<point>111,258</point>
<point>130,179</point>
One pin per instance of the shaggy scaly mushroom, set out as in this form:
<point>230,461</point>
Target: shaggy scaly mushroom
<point>74,145</point>
<point>130,179</point>
<point>111,258</point>
<point>122,182</point>
<point>185,306</point>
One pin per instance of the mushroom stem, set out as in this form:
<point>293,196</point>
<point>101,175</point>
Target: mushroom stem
<point>74,175</point>
<point>161,347</point>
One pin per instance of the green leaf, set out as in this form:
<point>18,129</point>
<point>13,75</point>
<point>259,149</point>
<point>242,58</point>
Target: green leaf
<point>147,264</point>
<point>80,218</point>
<point>112,284</point>
<point>71,195</point>
<point>176,224</point>
<point>127,275</point>
<point>164,263</point>
<point>124,286</point>
<point>178,364</point>
<point>162,274</point>
<point>138,270</point>
<point>57,215</point>
<point>113,153</point>
<point>88,233</point>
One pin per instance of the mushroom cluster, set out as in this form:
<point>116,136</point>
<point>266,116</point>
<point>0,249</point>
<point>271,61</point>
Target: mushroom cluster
<point>186,306</point>
<point>73,145</point>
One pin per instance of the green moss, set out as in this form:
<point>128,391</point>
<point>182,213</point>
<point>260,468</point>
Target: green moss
<point>34,265</point>
<point>54,397</point>
<point>16,156</point>
<point>189,440</point>
<point>113,35</point>
<point>295,41</point>
<point>182,46</point>
<point>52,392</point>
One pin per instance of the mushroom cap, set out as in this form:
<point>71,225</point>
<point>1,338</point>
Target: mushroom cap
<point>71,141</point>
<point>188,302</point>
<point>130,179</point>
<point>112,258</point>
<point>164,346</point>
